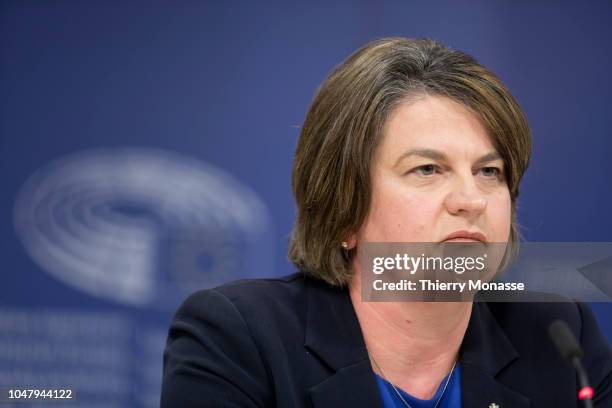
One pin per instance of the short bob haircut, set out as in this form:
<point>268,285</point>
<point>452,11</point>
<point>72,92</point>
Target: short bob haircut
<point>331,171</point>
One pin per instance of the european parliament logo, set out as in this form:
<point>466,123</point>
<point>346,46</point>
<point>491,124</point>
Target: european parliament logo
<point>141,227</point>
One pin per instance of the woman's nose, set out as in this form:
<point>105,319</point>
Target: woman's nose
<point>465,196</point>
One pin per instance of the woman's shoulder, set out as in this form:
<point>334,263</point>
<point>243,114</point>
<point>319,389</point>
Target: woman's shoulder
<point>527,321</point>
<point>264,305</point>
<point>254,294</point>
<point>527,326</point>
<point>535,315</point>
<point>264,288</point>
<point>222,340</point>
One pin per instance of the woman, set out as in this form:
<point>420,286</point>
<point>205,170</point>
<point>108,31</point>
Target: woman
<point>406,141</point>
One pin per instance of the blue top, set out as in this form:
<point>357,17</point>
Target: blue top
<point>451,398</point>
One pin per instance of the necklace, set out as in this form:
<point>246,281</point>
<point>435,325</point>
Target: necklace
<point>399,394</point>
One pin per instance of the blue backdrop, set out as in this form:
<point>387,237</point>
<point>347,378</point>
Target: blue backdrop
<point>147,148</point>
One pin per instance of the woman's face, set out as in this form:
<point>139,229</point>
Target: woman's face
<point>436,172</point>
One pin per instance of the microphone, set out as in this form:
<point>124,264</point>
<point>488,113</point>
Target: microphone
<point>570,350</point>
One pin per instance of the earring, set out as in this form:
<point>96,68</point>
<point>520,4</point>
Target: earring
<point>344,244</point>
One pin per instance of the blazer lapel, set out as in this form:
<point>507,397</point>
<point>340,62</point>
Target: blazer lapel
<point>333,334</point>
<point>485,352</point>
<point>351,386</point>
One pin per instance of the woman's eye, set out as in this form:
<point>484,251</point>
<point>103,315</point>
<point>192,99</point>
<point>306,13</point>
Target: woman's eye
<point>425,170</point>
<point>491,172</point>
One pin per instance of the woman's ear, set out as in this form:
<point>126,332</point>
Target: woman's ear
<point>351,242</point>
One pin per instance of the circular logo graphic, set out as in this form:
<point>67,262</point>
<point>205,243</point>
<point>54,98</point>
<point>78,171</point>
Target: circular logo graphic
<point>142,226</point>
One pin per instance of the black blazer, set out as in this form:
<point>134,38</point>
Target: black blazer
<point>296,342</point>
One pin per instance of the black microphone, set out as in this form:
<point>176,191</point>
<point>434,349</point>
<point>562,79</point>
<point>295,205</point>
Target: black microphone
<point>571,351</point>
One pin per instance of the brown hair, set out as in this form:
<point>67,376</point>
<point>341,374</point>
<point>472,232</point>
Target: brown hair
<point>331,170</point>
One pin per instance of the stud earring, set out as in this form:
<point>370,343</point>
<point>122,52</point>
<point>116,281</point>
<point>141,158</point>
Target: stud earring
<point>344,244</point>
